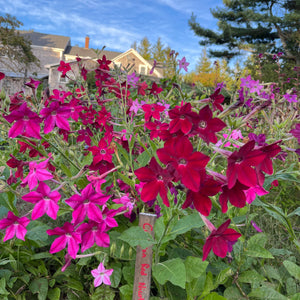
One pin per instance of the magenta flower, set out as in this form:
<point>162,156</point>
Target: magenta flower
<point>101,152</point>
<point>132,79</point>
<point>256,227</point>
<point>128,205</point>
<point>93,232</point>
<point>56,114</point>
<point>85,204</point>
<point>152,110</point>
<point>296,132</point>
<point>101,275</point>
<point>219,240</point>
<point>2,75</point>
<point>33,83</point>
<point>14,226</point>
<point>253,191</point>
<point>64,68</point>
<point>45,201</point>
<point>291,97</point>
<point>68,236</point>
<point>37,172</point>
<point>183,64</point>
<point>180,154</point>
<point>27,122</point>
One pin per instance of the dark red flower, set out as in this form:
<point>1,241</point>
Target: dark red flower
<point>216,99</point>
<point>155,90</point>
<point>240,165</point>
<point>187,163</point>
<point>15,163</point>
<point>101,152</point>
<point>296,132</point>
<point>218,241</point>
<point>182,118</point>
<point>141,88</point>
<point>156,128</point>
<point>208,126</point>
<point>157,181</point>
<point>200,199</point>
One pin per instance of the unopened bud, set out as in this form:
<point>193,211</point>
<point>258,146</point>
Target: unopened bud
<point>122,250</point>
<point>2,95</point>
<point>130,252</point>
<point>113,247</point>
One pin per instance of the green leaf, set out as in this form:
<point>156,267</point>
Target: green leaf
<point>103,292</point>
<point>40,255</point>
<point>116,276</point>
<point>143,159</point>
<point>250,276</point>
<point>214,296</point>
<point>296,297</point>
<point>266,293</point>
<point>36,231</point>
<point>126,179</point>
<point>136,236</point>
<point>291,286</point>
<point>194,267</point>
<point>223,276</point>
<point>87,159</point>
<point>209,284</point>
<point>295,212</point>
<point>126,292</point>
<point>292,268</point>
<point>8,201</point>
<point>187,223</point>
<point>74,284</point>
<point>171,270</point>
<point>39,286</point>
<point>3,290</point>
<point>258,239</point>
<point>233,293</point>
<point>54,294</point>
<point>259,252</point>
<point>66,170</point>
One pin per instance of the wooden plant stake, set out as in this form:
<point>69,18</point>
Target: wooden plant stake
<point>143,262</point>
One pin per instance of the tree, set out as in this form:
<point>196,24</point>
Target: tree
<point>15,50</point>
<point>255,26</point>
<point>144,48</point>
<point>204,63</point>
<point>158,52</point>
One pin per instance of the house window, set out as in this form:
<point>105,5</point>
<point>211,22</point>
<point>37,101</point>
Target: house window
<point>143,70</point>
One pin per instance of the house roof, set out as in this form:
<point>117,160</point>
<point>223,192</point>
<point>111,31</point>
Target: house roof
<point>84,52</point>
<point>46,40</point>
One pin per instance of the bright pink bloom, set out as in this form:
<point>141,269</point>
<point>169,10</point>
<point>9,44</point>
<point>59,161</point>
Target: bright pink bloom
<point>219,240</point>
<point>27,122</point>
<point>96,181</point>
<point>68,236</point>
<point>101,275</point>
<point>240,165</point>
<point>132,79</point>
<point>33,83</point>
<point>291,97</point>
<point>128,204</point>
<point>45,201</point>
<point>157,180</point>
<point>64,68</point>
<point>93,232</point>
<point>14,226</point>
<point>253,191</point>
<point>296,132</point>
<point>255,226</point>
<point>187,163</point>
<point>37,172</point>
<point>86,204</point>
<point>56,114</point>
<point>183,64</point>
<point>60,95</point>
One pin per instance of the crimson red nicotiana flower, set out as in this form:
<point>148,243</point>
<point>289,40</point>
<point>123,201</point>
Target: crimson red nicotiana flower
<point>14,226</point>
<point>156,127</point>
<point>218,241</point>
<point>155,90</point>
<point>187,163</point>
<point>157,181</point>
<point>200,199</point>
<point>68,236</point>
<point>152,110</point>
<point>240,165</point>
<point>27,122</point>
<point>101,152</point>
<point>15,163</point>
<point>216,99</point>
<point>182,118</point>
<point>208,126</point>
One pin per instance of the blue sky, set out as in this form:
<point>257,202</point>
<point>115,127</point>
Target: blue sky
<point>116,24</point>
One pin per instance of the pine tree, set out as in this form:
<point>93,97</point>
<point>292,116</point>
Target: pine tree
<point>144,48</point>
<point>255,26</point>
<point>158,51</point>
<point>204,63</point>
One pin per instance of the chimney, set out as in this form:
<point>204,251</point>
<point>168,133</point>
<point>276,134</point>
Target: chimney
<point>87,41</point>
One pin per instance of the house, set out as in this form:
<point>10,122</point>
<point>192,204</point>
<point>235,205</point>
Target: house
<point>51,49</point>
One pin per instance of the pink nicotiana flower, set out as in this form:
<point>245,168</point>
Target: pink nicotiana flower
<point>296,132</point>
<point>33,83</point>
<point>136,106</point>
<point>132,79</point>
<point>14,226</point>
<point>27,123</point>
<point>86,204</point>
<point>56,114</point>
<point>68,236</point>
<point>256,227</point>
<point>101,275</point>
<point>254,191</point>
<point>183,64</point>
<point>91,233</point>
<point>37,172</point>
<point>45,201</point>
<point>64,68</point>
<point>127,203</point>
